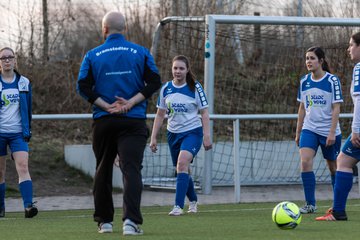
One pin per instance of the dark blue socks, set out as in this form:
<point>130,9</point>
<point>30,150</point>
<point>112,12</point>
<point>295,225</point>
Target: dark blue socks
<point>26,190</point>
<point>191,191</point>
<point>308,179</point>
<point>333,181</point>
<point>343,185</point>
<point>2,195</point>
<point>182,183</point>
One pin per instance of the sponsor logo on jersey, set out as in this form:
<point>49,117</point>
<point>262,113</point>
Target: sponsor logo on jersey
<point>10,98</point>
<point>176,108</point>
<point>315,100</point>
<point>118,73</point>
<point>2,103</point>
<point>308,102</point>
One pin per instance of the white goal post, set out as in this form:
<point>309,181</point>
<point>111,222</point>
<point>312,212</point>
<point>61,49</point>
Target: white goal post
<point>184,38</point>
<point>210,41</point>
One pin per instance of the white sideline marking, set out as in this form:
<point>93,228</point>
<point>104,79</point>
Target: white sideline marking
<point>165,213</point>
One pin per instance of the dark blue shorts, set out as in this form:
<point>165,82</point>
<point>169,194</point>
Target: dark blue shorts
<point>15,141</point>
<point>350,150</point>
<point>190,141</point>
<point>312,140</point>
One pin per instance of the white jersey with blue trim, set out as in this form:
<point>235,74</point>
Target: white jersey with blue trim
<point>355,94</point>
<point>318,97</point>
<point>182,106</point>
<point>10,119</point>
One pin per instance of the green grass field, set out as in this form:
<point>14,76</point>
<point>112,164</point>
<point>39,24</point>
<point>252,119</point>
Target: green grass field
<point>229,221</point>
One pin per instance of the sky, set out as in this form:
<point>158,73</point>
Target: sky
<point>15,14</point>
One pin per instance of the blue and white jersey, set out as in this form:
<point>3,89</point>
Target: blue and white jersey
<point>318,97</point>
<point>355,94</point>
<point>182,106</point>
<point>10,119</point>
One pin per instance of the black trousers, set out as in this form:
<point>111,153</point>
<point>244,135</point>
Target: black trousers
<point>126,137</point>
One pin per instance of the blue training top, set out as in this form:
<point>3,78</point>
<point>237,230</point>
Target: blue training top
<point>118,68</point>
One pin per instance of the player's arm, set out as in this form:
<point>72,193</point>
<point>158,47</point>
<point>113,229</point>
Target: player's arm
<point>300,122</point>
<point>330,140</point>
<point>158,121</point>
<point>205,119</point>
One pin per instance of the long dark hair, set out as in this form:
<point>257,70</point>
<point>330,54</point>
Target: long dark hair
<point>190,77</point>
<point>356,38</point>
<point>321,55</point>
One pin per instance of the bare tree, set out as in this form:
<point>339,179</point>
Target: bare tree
<point>46,31</point>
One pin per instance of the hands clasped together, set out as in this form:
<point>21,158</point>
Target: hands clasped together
<point>121,105</point>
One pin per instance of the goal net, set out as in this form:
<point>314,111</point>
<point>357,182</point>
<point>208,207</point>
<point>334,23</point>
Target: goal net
<point>257,71</point>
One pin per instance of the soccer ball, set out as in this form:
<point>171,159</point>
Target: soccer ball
<point>286,215</point>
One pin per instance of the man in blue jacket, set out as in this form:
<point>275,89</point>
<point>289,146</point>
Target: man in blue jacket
<point>116,78</point>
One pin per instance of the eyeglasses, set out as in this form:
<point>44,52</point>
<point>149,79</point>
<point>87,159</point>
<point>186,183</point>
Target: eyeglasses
<point>7,58</point>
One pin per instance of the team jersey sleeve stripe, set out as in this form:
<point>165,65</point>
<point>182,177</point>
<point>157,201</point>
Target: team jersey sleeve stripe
<point>337,93</point>
<point>202,96</point>
<point>356,75</point>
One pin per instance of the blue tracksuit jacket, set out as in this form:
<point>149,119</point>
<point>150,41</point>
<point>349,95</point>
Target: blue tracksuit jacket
<point>118,68</point>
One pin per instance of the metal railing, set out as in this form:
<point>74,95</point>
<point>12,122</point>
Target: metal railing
<point>236,137</point>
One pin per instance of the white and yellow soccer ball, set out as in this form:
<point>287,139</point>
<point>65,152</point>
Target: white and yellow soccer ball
<point>286,215</point>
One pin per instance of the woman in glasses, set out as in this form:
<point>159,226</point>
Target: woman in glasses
<point>15,128</point>
<point>318,121</point>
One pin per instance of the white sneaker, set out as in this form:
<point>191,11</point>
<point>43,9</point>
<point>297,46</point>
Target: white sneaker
<point>192,207</point>
<point>131,228</point>
<point>308,208</point>
<point>105,228</point>
<point>176,211</point>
